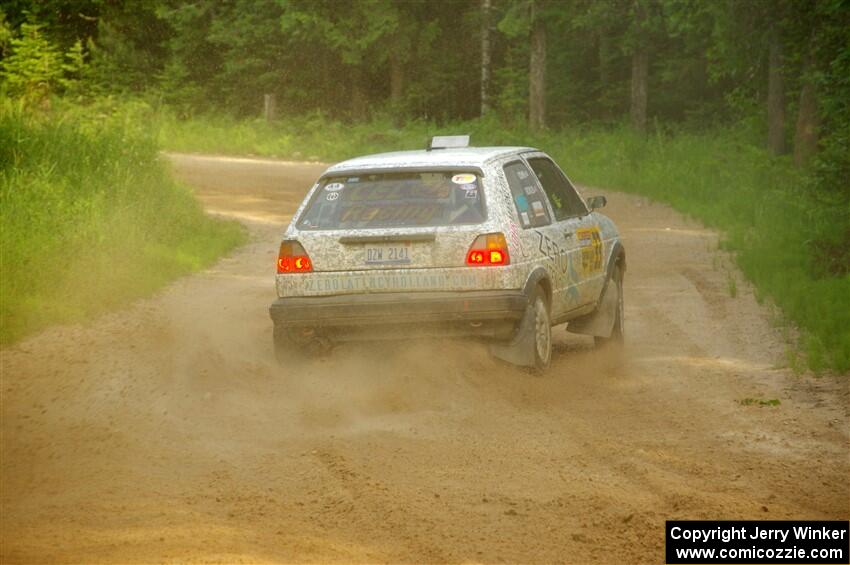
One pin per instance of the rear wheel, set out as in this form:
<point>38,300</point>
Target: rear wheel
<point>542,327</point>
<point>618,333</point>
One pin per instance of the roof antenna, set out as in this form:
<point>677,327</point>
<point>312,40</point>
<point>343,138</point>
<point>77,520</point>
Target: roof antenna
<point>448,142</point>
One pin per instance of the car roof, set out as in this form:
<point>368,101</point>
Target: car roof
<point>455,157</point>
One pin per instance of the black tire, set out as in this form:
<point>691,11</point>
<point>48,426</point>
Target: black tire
<point>541,325</point>
<point>618,333</point>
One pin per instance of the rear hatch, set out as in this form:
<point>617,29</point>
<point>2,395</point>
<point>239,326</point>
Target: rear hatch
<point>392,220</point>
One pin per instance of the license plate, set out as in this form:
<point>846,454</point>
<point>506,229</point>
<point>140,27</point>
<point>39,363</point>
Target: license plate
<point>387,254</point>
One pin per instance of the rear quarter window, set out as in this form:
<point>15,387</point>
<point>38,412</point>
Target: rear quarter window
<point>395,200</point>
<point>529,200</point>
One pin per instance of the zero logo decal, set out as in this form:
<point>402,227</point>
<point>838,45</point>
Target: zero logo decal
<point>564,270</point>
<point>590,243</point>
<point>554,252</point>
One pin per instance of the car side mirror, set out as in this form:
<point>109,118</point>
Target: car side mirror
<point>596,202</point>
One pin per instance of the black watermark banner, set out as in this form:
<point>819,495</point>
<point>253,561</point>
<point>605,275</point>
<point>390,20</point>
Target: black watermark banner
<point>757,541</point>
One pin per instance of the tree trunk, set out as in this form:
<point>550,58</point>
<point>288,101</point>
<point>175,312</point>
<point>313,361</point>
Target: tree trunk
<point>640,76</point>
<point>358,96</point>
<point>485,56</point>
<point>605,50</point>
<point>806,134</point>
<point>269,107</point>
<point>775,98</point>
<point>604,58</point>
<point>537,74</point>
<point>396,80</point>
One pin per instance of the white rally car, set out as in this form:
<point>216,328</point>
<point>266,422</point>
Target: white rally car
<point>488,242</point>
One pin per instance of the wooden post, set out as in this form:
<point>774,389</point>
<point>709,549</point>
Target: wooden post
<point>269,107</point>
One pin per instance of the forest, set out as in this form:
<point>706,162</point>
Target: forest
<point>736,112</point>
<point>661,63</point>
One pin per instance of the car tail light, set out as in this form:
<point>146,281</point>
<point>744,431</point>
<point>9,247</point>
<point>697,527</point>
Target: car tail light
<point>488,250</point>
<point>293,259</point>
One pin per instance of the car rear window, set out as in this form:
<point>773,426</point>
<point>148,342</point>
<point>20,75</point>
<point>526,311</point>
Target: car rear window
<point>395,200</point>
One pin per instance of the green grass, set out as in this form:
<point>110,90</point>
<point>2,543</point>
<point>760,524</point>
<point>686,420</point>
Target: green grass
<point>759,402</point>
<point>90,216</point>
<point>776,224</point>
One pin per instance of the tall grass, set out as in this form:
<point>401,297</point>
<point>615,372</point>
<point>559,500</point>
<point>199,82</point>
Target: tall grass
<point>773,219</point>
<point>90,217</point>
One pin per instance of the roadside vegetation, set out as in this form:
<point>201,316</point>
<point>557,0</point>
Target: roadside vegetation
<point>91,217</point>
<point>736,113</point>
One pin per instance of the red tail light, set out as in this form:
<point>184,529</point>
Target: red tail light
<point>488,250</point>
<point>293,259</point>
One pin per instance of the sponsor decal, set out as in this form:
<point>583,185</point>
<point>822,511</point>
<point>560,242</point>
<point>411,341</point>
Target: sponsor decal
<point>401,191</point>
<point>410,213</point>
<point>590,243</point>
<point>366,283</point>
<point>472,194</point>
<point>521,203</point>
<point>522,175</point>
<point>468,187</point>
<point>529,189</point>
<point>333,196</point>
<point>463,178</point>
<point>538,209</point>
<point>524,217</point>
<point>334,187</point>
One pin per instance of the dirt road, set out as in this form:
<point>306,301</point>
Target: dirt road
<point>166,432</point>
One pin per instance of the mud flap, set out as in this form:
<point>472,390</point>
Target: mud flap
<point>520,350</point>
<point>600,322</point>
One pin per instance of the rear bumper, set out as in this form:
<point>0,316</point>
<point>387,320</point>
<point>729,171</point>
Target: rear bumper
<point>490,313</point>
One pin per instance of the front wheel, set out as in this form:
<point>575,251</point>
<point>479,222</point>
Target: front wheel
<point>618,332</point>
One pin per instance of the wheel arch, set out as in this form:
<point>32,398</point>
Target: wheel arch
<point>539,277</point>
